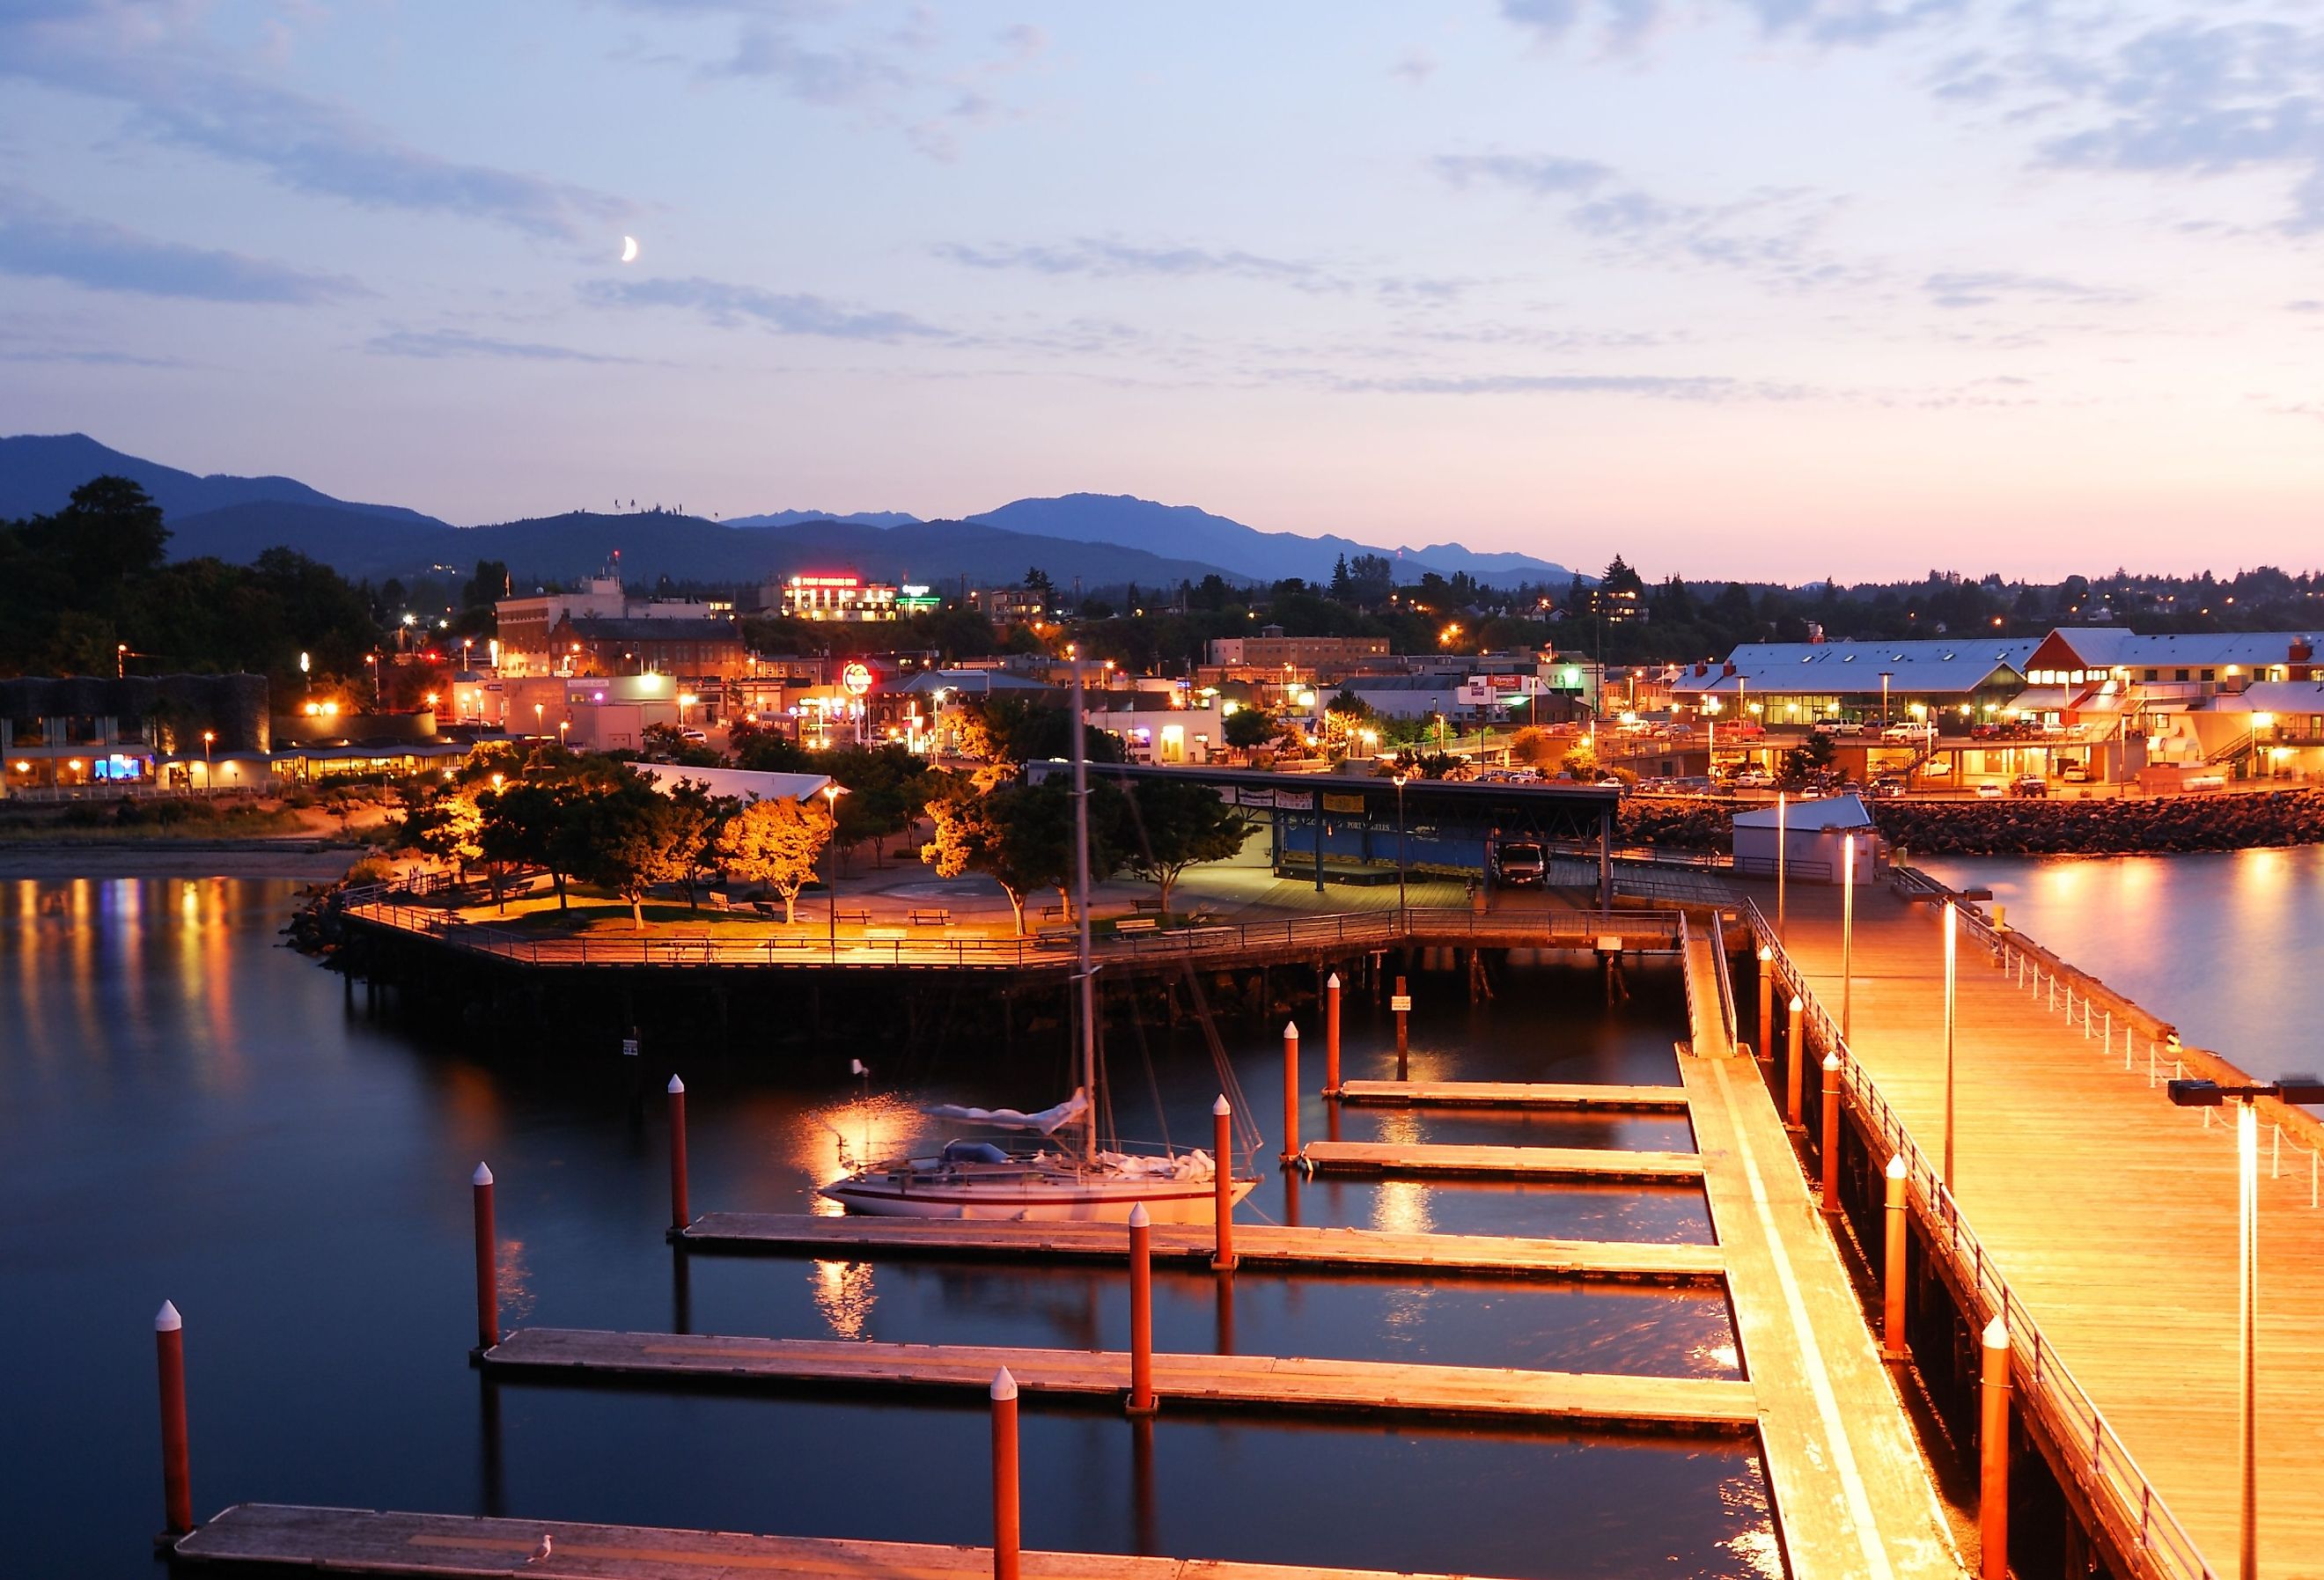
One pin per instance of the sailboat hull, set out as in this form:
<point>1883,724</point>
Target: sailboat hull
<point>1038,1198</point>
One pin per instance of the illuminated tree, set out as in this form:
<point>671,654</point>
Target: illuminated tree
<point>1174,824</point>
<point>775,844</point>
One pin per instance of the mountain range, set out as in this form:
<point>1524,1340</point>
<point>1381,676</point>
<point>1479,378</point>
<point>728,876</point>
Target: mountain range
<point>1092,538</point>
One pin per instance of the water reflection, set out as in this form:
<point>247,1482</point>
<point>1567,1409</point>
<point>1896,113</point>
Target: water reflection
<point>189,1111</point>
<point>2230,946</point>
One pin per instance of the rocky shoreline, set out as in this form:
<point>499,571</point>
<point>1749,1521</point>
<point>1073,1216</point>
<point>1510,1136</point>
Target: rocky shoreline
<point>2161,824</point>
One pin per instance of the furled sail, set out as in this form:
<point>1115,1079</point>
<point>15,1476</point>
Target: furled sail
<point>1048,1121</point>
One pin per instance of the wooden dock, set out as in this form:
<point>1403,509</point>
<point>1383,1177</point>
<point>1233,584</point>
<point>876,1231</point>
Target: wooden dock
<point>1514,1094</point>
<point>1288,1383</point>
<point>361,1541</point>
<point>1258,1247</point>
<point>1503,1162</point>
<point>1853,1497</point>
<point>2110,1213</point>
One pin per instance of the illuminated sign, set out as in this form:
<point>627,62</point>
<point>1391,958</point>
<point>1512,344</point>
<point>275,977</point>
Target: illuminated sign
<point>856,677</point>
<point>827,581</point>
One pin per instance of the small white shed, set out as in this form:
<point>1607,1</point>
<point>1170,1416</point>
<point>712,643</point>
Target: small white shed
<point>1813,837</point>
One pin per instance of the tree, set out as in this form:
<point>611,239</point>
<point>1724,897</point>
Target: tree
<point>887,788</point>
<point>1173,825</point>
<point>535,821</point>
<point>449,826</point>
<point>1038,580</point>
<point>1020,835</point>
<point>1247,727</point>
<point>774,844</point>
<point>763,750</point>
<point>636,839</point>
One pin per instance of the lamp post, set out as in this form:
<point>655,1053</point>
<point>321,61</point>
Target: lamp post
<point>1846,935</point>
<point>2302,1088</point>
<point>1400,919</point>
<point>209,772</point>
<point>1886,676</point>
<point>831,793</point>
<point>373,659</point>
<point>539,714</point>
<point>1952,930</point>
<point>1782,853</point>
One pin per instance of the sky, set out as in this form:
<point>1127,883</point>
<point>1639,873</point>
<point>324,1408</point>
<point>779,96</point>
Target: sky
<point>1737,288</point>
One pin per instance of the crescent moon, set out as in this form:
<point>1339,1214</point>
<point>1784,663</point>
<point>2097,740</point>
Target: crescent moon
<point>629,249</point>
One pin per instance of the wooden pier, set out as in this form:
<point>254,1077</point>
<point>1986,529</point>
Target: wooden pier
<point>1504,1162</point>
<point>1284,1383</point>
<point>1580,1098</point>
<point>1258,1247</point>
<point>361,1541</point>
<point>2111,1217</point>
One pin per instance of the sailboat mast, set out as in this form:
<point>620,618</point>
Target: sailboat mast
<point>1081,909</point>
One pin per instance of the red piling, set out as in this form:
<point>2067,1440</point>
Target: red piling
<point>1831,1135</point>
<point>1223,1257</point>
<point>1006,1536</point>
<point>1891,1278</point>
<point>1290,1153</point>
<point>1795,1053</point>
<point>1993,1457</point>
<point>488,1277</point>
<point>1331,1035</point>
<point>177,1485</point>
<point>678,1217</point>
<point>1141,1313</point>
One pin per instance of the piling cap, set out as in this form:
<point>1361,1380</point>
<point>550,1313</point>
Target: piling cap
<point>1332,982</point>
<point>1997,1335</point>
<point>167,1320</point>
<point>1897,1168</point>
<point>1137,1218</point>
<point>1830,1062</point>
<point>1798,1003</point>
<point>1291,1031</point>
<point>1004,1386</point>
<point>482,1176</point>
<point>676,1088</point>
<point>1221,1108</point>
<point>1765,952</point>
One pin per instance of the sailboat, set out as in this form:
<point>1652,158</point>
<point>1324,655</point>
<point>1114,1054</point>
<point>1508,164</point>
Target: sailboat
<point>1090,1181</point>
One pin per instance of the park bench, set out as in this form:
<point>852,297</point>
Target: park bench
<point>718,900</point>
<point>934,917</point>
<point>766,908</point>
<point>1056,935</point>
<point>885,935</point>
<point>1136,924</point>
<point>1051,911</point>
<point>1152,905</point>
<point>860,918</point>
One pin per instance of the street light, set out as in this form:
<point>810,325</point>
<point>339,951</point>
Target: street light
<point>1783,853</point>
<point>831,793</point>
<point>2186,1093</point>
<point>209,774</point>
<point>1886,676</point>
<point>1952,928</point>
<point>1847,933</point>
<point>1401,917</point>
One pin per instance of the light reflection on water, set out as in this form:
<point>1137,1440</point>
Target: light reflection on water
<point>2228,947</point>
<point>187,1110</point>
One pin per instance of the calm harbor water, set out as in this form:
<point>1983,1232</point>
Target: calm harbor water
<point>2230,948</point>
<point>189,1111</point>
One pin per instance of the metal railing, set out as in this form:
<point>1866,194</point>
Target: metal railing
<point>2119,1494</point>
<point>1718,971</point>
<point>729,945</point>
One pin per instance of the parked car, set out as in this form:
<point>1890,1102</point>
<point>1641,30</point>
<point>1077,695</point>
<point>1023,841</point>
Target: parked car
<point>2029,784</point>
<point>1519,863</point>
<point>693,738</point>
<point>1833,726</point>
<point>1989,792</point>
<point>1908,732</point>
<point>1754,779</point>
<point>2075,774</point>
<point>1886,788</point>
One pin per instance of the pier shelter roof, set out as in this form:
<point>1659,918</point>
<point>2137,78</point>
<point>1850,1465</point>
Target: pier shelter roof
<point>1938,668</point>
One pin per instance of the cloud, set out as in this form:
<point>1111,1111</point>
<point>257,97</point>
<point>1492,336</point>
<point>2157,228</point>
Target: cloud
<point>1109,258</point>
<point>819,77</point>
<point>2306,304</point>
<point>177,91</point>
<point>39,240</point>
<point>1415,66</point>
<point>730,305</point>
<point>1771,233</point>
<point>438,343</point>
<point>1542,174</point>
<point>1655,386</point>
<point>1982,288</point>
<point>1819,22</point>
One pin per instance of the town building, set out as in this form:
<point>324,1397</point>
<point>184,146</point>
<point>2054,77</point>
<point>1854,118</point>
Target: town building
<point>701,650</point>
<point>1271,650</point>
<point>1150,730</point>
<point>1813,842</point>
<point>831,595</point>
<point>78,734</point>
<point>1017,605</point>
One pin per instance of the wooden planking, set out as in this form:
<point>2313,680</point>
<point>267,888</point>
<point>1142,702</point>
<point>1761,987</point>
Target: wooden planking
<point>1256,1246</point>
<point>1709,1029</point>
<point>1852,1494</point>
<point>1513,1095</point>
<point>363,1541</point>
<point>1508,1162</point>
<point>2110,1213</point>
<point>1266,1382</point>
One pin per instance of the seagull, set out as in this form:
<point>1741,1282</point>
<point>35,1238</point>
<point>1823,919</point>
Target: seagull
<point>541,1551</point>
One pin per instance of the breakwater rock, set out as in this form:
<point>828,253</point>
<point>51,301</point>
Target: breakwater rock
<point>2127,826</point>
<point>1679,822</point>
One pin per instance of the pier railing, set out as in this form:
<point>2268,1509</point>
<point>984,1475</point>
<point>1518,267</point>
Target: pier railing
<point>2120,1496</point>
<point>728,945</point>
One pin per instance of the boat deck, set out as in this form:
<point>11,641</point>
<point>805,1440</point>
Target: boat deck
<point>361,1541</point>
<point>1258,1247</point>
<point>1292,1383</point>
<point>1513,1095</point>
<point>1504,1162</point>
